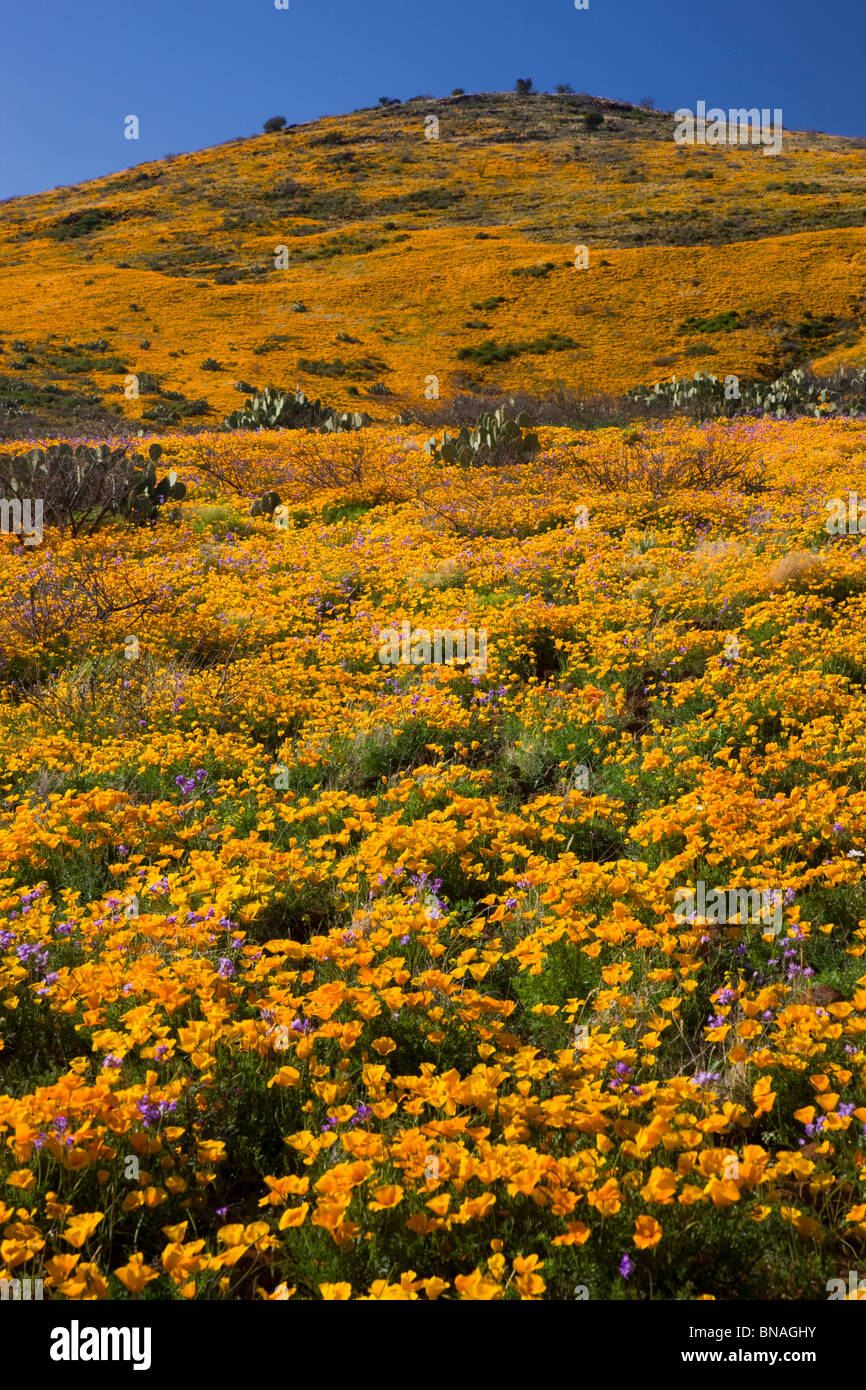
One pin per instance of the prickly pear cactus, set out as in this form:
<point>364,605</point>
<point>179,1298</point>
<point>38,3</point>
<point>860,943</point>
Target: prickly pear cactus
<point>494,438</point>
<point>292,410</point>
<point>266,505</point>
<point>145,496</point>
<point>81,487</point>
<point>795,393</point>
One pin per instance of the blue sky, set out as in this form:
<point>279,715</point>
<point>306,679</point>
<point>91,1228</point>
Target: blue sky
<point>199,72</point>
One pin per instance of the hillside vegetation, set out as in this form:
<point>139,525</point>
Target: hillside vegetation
<point>410,257</point>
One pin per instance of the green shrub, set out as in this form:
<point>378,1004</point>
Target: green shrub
<point>435,197</point>
<point>351,244</point>
<point>270,344</point>
<point>488,351</point>
<point>725,322</point>
<point>82,223</point>
<point>360,367</point>
<point>798,187</point>
<point>536,272</point>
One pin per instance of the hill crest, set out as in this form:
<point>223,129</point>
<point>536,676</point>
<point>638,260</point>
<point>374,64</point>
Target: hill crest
<point>406,258</point>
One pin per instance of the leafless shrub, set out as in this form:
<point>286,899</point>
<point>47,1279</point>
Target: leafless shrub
<point>560,405</point>
<point>79,601</point>
<point>349,462</point>
<point>641,467</point>
<point>106,695</point>
<point>469,502</point>
<point>229,473</point>
<point>329,462</point>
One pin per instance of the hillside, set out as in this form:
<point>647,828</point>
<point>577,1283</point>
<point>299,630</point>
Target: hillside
<point>411,257</point>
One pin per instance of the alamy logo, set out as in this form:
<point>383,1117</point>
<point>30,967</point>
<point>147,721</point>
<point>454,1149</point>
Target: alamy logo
<point>22,516</point>
<point>739,126</point>
<point>102,1344</point>
<point>845,520</point>
<point>419,648</point>
<point>21,1289</point>
<point>856,1287</point>
<point>734,906</point>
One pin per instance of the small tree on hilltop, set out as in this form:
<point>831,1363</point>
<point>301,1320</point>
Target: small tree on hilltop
<point>274,124</point>
<point>523,86</point>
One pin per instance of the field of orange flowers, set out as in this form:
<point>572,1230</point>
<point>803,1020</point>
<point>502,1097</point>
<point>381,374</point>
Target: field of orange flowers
<point>325,978</point>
